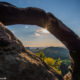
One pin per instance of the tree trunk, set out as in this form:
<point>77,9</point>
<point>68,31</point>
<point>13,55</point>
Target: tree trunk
<point>10,15</point>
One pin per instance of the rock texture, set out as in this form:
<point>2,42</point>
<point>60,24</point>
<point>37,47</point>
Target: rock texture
<point>68,76</point>
<point>17,63</point>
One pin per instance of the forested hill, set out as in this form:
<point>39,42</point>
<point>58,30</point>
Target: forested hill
<point>54,52</point>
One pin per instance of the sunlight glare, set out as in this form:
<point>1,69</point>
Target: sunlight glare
<point>45,31</point>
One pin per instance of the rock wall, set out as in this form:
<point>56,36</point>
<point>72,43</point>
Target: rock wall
<point>17,63</point>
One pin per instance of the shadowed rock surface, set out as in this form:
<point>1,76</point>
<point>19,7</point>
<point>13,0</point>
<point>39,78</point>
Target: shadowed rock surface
<point>17,63</point>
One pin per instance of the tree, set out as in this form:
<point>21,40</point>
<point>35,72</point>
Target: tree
<point>41,54</point>
<point>55,64</point>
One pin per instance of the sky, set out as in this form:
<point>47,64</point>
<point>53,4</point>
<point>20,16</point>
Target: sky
<point>68,11</point>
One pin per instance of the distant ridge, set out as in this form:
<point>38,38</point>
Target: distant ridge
<point>54,52</point>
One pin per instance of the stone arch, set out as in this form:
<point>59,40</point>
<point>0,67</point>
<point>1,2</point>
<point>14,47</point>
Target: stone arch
<point>10,15</point>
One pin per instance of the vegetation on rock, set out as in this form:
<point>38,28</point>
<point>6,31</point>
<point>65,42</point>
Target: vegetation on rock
<point>54,63</point>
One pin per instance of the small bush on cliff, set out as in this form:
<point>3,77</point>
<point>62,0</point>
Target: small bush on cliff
<point>55,64</point>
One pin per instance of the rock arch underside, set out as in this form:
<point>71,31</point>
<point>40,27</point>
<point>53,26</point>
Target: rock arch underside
<point>17,63</point>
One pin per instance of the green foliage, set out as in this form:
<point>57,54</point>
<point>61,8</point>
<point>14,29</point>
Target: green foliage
<point>58,63</point>
<point>41,54</point>
<point>49,61</point>
<point>54,63</point>
<point>66,61</point>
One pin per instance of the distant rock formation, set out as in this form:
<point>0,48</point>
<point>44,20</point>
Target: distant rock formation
<point>17,63</point>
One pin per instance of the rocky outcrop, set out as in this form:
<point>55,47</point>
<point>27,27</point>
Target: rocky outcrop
<point>68,76</point>
<point>17,63</point>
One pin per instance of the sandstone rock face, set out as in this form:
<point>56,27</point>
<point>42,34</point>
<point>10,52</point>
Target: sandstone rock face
<point>68,76</point>
<point>17,63</point>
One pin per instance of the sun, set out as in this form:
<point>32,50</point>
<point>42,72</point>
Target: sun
<point>44,30</point>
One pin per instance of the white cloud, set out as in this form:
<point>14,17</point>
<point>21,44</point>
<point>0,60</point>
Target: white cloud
<point>41,30</point>
<point>37,34</point>
<point>26,26</point>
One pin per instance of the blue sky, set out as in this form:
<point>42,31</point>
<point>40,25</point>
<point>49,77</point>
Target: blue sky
<point>67,11</point>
